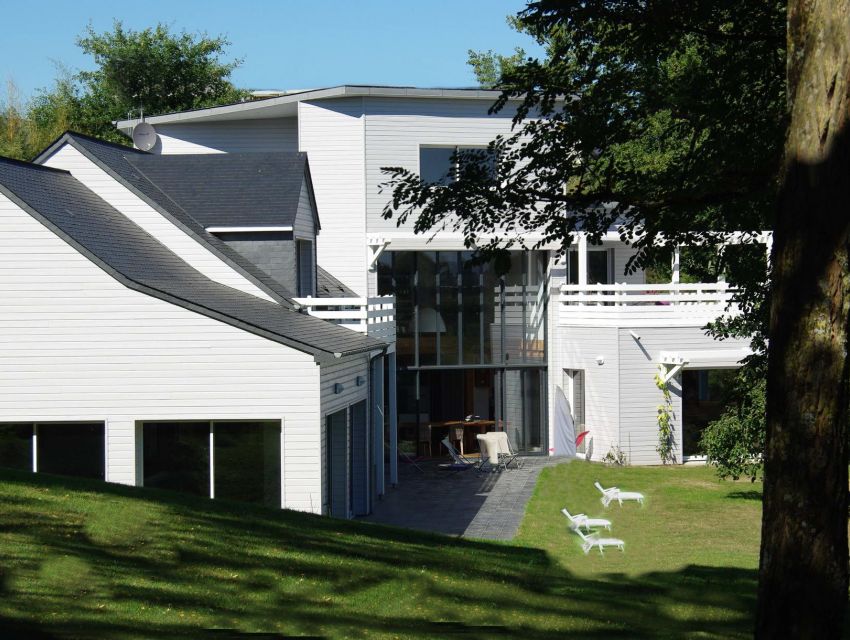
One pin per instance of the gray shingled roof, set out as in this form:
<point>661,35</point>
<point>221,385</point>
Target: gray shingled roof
<point>229,189</point>
<point>138,260</point>
<point>329,287</point>
<point>114,159</point>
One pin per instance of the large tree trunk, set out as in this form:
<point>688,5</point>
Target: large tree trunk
<point>803,576</point>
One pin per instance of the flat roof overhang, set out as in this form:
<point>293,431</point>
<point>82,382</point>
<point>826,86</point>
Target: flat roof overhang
<point>287,105</point>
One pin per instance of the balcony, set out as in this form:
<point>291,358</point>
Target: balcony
<point>374,316</point>
<point>673,304</point>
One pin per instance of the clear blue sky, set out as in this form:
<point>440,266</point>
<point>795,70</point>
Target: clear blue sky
<point>285,44</point>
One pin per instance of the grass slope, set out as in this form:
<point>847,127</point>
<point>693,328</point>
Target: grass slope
<point>80,559</point>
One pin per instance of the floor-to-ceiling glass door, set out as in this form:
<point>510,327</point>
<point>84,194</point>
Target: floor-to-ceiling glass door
<point>522,408</point>
<point>471,344</point>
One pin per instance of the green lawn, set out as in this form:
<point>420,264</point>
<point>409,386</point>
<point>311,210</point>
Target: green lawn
<point>81,559</point>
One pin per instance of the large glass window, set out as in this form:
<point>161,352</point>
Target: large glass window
<point>452,309</point>
<point>67,449</point>
<point>459,322</point>
<point>430,321</point>
<point>523,398</point>
<point>598,267</point>
<point>72,449</point>
<point>247,462</point>
<point>444,165</point>
<point>177,456</point>
<point>706,394</point>
<point>448,308</point>
<point>16,446</point>
<point>435,164</point>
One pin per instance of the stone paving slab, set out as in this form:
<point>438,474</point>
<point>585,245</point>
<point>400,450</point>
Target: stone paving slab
<point>468,504</point>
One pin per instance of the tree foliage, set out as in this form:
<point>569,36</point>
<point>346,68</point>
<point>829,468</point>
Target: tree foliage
<point>734,444</point>
<point>666,118</point>
<point>489,66</point>
<point>154,69</point>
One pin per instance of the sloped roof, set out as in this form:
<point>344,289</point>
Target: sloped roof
<point>138,260</point>
<point>230,189</point>
<point>115,160</point>
<point>328,286</point>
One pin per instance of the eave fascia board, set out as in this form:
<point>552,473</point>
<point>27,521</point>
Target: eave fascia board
<point>248,229</point>
<point>198,115</point>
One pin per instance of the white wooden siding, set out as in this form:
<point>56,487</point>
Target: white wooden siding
<point>622,255</point>
<point>305,224</point>
<point>639,397</point>
<point>268,134</point>
<point>331,133</point>
<point>75,344</point>
<point>579,349</point>
<point>395,129</point>
<point>169,234</point>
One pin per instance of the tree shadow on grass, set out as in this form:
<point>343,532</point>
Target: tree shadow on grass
<point>745,495</point>
<point>129,563</point>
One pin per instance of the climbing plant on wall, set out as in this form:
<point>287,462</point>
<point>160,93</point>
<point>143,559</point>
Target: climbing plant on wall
<point>666,436</point>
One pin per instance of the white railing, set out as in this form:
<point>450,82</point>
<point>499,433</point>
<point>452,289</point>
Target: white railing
<point>375,316</point>
<point>622,303</point>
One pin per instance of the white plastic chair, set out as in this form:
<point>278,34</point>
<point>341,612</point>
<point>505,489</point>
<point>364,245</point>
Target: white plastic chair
<point>581,520</point>
<point>593,540</point>
<point>614,493</point>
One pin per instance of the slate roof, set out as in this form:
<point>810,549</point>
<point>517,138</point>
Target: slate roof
<point>116,160</point>
<point>229,189</point>
<point>329,287</point>
<point>138,260</point>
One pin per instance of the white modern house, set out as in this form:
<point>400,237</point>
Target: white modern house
<point>469,342</point>
<point>150,334</point>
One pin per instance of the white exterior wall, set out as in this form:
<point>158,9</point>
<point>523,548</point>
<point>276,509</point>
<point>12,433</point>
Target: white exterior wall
<point>268,134</point>
<point>331,132</point>
<point>169,234</point>
<point>639,397</point>
<point>75,344</point>
<point>622,398</point>
<point>395,129</point>
<point>578,349</point>
<point>622,254</point>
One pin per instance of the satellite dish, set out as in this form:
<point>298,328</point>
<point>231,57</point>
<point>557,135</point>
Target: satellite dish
<point>144,136</point>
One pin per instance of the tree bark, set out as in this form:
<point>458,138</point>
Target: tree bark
<point>803,575</point>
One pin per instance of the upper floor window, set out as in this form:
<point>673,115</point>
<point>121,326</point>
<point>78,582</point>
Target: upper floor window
<point>306,268</point>
<point>445,164</point>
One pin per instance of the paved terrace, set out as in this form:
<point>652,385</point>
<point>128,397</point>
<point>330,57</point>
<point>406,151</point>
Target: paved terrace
<point>468,504</point>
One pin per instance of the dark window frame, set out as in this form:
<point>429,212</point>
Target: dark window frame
<point>455,162</point>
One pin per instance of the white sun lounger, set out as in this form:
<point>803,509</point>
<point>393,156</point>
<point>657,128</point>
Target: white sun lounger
<point>581,520</point>
<point>614,493</point>
<point>590,540</point>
